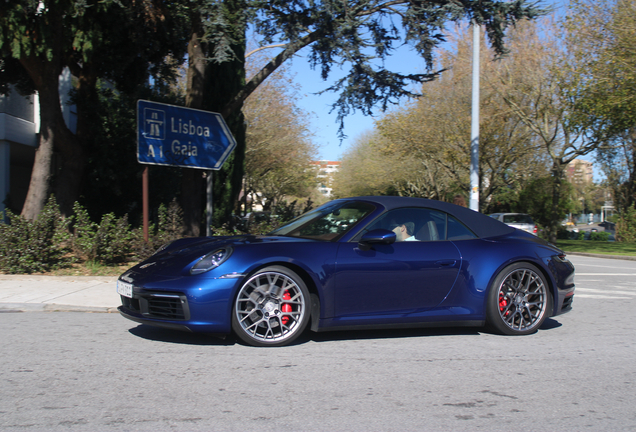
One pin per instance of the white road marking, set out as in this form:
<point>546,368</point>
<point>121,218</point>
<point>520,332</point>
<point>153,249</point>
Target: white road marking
<point>592,290</point>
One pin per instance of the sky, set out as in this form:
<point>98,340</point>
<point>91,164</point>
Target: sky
<point>323,123</point>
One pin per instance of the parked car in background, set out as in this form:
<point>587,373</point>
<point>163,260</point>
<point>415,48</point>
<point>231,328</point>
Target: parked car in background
<point>608,226</point>
<point>521,221</point>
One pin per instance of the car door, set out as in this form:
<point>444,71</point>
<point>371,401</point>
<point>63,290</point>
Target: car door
<point>399,278</point>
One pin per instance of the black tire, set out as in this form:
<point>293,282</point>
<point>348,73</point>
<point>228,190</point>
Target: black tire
<point>519,300</point>
<point>272,308</point>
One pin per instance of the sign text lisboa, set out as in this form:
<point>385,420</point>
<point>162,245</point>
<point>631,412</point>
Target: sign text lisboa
<point>183,137</point>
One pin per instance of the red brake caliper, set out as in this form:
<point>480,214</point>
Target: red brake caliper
<point>503,303</point>
<point>286,308</point>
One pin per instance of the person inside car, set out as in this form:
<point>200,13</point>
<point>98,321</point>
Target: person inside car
<point>404,231</point>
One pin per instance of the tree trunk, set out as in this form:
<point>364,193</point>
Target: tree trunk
<point>191,179</point>
<point>211,86</point>
<point>41,171</point>
<point>224,81</point>
<point>557,175</point>
<point>630,185</point>
<point>73,147</point>
<point>72,162</point>
<point>191,201</point>
<point>45,75</point>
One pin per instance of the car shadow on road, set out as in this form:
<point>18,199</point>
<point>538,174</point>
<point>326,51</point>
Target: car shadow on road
<point>159,334</point>
<point>550,324</point>
<point>389,334</point>
<point>408,333</point>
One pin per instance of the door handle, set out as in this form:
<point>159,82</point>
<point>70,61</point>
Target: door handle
<point>445,263</point>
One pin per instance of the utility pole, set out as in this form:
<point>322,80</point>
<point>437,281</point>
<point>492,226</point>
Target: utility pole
<point>474,127</point>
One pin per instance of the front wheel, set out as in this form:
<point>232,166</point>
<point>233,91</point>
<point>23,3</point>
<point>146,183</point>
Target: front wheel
<point>271,308</point>
<point>519,300</point>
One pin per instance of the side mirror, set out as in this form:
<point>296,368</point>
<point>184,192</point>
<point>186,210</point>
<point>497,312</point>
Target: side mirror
<point>376,236</point>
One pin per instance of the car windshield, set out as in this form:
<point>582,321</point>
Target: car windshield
<point>329,222</point>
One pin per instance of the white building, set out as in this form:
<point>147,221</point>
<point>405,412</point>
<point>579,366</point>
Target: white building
<point>19,128</point>
<point>325,173</point>
<point>580,172</point>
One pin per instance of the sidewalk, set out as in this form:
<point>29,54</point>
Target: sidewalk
<point>58,293</point>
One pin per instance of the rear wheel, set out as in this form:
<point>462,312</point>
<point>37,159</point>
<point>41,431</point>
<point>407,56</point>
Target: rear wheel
<point>519,300</point>
<point>271,308</point>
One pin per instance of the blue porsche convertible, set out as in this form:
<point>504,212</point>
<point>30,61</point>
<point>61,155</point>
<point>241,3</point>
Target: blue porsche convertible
<point>355,263</point>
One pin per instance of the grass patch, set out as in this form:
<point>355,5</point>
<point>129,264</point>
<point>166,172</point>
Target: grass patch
<point>89,269</point>
<point>598,247</point>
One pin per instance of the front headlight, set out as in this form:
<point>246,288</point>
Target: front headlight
<point>211,261</point>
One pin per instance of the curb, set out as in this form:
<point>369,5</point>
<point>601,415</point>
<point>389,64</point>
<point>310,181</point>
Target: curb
<point>47,307</point>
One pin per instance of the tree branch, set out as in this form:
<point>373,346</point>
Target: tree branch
<point>267,70</point>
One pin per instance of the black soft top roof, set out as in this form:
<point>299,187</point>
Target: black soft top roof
<point>482,225</point>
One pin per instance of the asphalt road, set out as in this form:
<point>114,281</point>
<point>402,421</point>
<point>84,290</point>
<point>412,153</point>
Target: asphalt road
<point>100,372</point>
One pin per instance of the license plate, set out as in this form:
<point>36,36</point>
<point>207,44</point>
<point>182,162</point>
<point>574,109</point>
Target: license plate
<point>124,289</point>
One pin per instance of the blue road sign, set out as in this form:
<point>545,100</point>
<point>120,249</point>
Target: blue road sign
<point>183,137</point>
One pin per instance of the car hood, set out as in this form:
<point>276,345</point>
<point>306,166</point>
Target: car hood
<point>178,256</point>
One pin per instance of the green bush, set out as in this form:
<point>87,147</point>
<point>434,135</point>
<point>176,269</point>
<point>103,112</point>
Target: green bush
<point>264,227</point>
<point>83,233</point>
<point>169,223</point>
<point>113,240</point>
<point>34,246</point>
<point>563,234</point>
<point>626,225</point>
<point>599,236</point>
<point>227,230</point>
<point>169,227</point>
<point>108,242</point>
<point>51,241</point>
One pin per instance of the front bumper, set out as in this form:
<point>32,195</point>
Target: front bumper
<point>563,270</point>
<point>159,305</point>
<point>564,301</point>
<point>186,303</point>
<point>135,316</point>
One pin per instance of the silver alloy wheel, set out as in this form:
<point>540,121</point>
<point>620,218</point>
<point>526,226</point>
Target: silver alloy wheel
<point>270,307</point>
<point>522,300</point>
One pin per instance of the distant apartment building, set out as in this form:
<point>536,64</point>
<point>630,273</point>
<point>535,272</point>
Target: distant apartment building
<point>325,173</point>
<point>19,129</point>
<point>579,172</point>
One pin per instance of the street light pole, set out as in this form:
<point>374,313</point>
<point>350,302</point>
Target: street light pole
<point>474,127</point>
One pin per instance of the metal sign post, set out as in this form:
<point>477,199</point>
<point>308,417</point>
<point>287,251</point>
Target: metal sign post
<point>208,210</point>
<point>144,201</point>
<point>170,135</point>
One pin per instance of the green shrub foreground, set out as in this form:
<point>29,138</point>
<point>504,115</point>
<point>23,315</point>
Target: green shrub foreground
<point>52,242</point>
<point>30,247</point>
